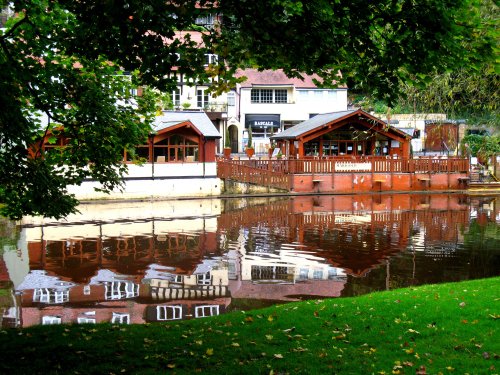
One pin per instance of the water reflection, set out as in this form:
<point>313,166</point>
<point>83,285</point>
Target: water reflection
<point>191,259</point>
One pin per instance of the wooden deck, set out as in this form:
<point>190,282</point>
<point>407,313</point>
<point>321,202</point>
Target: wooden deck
<point>349,174</point>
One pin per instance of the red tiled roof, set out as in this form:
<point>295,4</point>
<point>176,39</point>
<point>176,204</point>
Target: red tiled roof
<point>276,77</point>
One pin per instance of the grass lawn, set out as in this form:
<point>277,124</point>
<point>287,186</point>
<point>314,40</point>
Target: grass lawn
<point>435,329</point>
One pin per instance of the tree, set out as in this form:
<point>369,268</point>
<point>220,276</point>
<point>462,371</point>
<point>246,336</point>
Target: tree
<point>249,141</point>
<point>66,60</point>
<point>471,91</point>
<point>481,146</point>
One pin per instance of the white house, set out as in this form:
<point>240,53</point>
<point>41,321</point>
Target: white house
<point>269,102</point>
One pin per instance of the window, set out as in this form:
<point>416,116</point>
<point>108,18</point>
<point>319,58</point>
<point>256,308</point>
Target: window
<point>280,96</point>
<point>175,148</point>
<point>268,96</point>
<point>120,318</point>
<point>203,279</point>
<point>270,273</point>
<point>168,312</point>
<point>311,148</point>
<point>46,320</point>
<point>176,97</point>
<point>211,58</point>
<point>86,290</point>
<point>332,274</point>
<point>206,20</point>
<point>85,320</point>
<point>318,274</point>
<point>231,99</point>
<point>178,279</point>
<point>201,98</point>
<point>317,94</point>
<point>206,310</point>
<point>46,295</point>
<point>120,289</point>
<point>304,274</point>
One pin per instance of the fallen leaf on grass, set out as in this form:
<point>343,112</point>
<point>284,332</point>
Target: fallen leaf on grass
<point>299,349</point>
<point>278,356</point>
<point>421,371</point>
<point>210,351</point>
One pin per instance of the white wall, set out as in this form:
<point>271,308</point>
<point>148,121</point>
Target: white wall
<point>300,105</point>
<point>170,180</point>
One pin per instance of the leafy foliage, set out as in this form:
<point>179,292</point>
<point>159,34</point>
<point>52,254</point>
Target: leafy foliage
<point>469,91</point>
<point>227,140</point>
<point>482,146</point>
<point>45,90</point>
<point>250,141</point>
<point>65,61</point>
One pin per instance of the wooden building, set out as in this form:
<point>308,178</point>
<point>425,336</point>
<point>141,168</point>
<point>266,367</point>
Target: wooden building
<point>346,133</point>
<point>186,136</point>
<point>177,136</point>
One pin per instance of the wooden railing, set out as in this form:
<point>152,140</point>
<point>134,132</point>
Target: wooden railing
<point>276,173</point>
<point>270,174</point>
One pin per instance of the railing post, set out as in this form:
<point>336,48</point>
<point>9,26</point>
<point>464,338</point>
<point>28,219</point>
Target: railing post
<point>392,171</point>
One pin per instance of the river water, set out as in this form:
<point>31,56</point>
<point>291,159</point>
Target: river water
<point>142,262</point>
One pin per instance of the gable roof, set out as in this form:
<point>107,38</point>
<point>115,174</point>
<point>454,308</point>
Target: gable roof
<point>324,119</point>
<point>200,120</point>
<point>276,78</point>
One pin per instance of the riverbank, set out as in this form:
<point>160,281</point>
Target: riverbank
<point>447,328</point>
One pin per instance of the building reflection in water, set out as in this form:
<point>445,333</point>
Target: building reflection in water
<point>175,265</point>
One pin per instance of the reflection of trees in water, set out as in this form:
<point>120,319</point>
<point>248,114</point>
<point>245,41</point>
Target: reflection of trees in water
<point>478,256</point>
<point>483,243</point>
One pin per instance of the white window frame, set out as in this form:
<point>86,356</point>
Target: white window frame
<point>46,295</point>
<point>85,320</point>
<point>176,97</point>
<point>115,290</point>
<point>318,274</point>
<point>162,312</point>
<point>120,318</point>
<point>231,99</point>
<point>204,278</point>
<point>268,96</point>
<point>51,319</point>
<point>204,311</point>
<point>279,98</point>
<point>202,98</point>
<point>178,279</point>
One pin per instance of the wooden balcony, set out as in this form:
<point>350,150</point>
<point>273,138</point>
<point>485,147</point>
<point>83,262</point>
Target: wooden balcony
<point>282,174</point>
